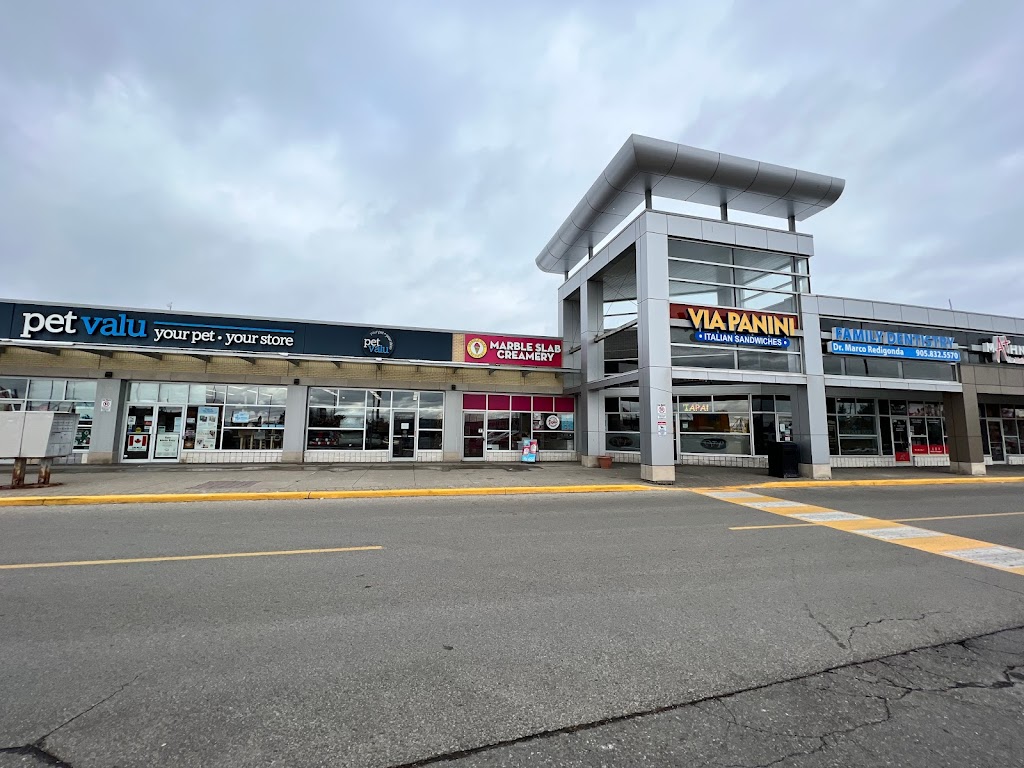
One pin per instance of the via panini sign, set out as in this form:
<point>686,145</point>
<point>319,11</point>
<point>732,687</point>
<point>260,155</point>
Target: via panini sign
<point>737,326</point>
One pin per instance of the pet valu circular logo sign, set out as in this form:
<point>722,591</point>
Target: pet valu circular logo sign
<point>378,344</point>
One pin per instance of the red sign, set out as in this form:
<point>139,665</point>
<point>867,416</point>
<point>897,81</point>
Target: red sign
<point>513,350</point>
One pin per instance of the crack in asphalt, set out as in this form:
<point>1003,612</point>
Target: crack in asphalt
<point>853,629</point>
<point>37,748</point>
<point>1009,677</point>
<point>827,631</point>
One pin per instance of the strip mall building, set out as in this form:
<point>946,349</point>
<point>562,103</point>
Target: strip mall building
<point>683,339</point>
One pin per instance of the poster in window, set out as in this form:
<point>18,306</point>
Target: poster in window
<point>138,443</point>
<point>206,428</point>
<point>166,446</point>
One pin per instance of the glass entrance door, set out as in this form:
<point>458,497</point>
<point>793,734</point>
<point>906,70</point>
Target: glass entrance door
<point>473,435</point>
<point>403,434</point>
<point>901,439</point>
<point>995,440</point>
<point>138,433</point>
<point>167,440</point>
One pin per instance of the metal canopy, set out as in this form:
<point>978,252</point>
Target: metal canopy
<point>680,172</point>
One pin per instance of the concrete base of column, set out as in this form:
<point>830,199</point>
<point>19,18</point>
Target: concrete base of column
<point>291,457</point>
<point>451,456</point>
<point>99,457</point>
<point>658,473</point>
<point>967,468</point>
<point>816,471</point>
<point>590,462</point>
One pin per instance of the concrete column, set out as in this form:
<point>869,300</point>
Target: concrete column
<point>590,425</point>
<point>810,420</point>
<point>963,424</point>
<point>296,415</point>
<point>451,437</point>
<point>105,445</point>
<point>657,462</point>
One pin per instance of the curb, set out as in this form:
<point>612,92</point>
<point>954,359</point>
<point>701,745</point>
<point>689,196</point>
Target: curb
<point>175,498</point>
<point>889,482</point>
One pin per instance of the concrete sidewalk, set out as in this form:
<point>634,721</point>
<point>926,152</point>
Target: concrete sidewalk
<point>301,479</point>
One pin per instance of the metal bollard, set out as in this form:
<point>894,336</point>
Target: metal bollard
<point>44,471</point>
<point>18,476</point>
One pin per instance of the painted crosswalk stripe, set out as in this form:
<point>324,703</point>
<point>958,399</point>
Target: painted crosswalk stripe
<point>1002,557</point>
<point>893,532</point>
<point>1006,559</point>
<point>826,517</point>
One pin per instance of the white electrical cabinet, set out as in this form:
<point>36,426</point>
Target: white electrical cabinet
<point>37,434</point>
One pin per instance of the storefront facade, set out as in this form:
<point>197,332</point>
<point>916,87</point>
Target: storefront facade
<point>698,340</point>
<point>154,387</point>
<point>682,339</point>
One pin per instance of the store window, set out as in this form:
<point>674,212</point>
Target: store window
<point>852,426</point>
<point>362,420</point>
<point>622,424</point>
<point>165,417</point>
<point>1002,431</point>
<point>500,422</point>
<point>868,427</point>
<point>714,425</point>
<point>64,395</point>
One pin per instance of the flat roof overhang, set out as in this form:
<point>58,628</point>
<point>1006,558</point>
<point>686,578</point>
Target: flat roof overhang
<point>106,352</point>
<point>681,172</point>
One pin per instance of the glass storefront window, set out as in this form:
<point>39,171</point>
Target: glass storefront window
<point>776,262</point>
<point>730,444</point>
<point>13,389</point>
<point>768,361</point>
<point>360,419</point>
<point>701,293</point>
<point>58,395</point>
<point>858,446</point>
<point>769,302</point>
<point>765,281</point>
<point>703,357</point>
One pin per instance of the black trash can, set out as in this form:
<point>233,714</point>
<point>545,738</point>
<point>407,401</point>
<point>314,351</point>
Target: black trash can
<point>783,459</point>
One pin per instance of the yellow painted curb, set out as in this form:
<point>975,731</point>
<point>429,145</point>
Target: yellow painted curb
<point>888,482</point>
<point>163,498</point>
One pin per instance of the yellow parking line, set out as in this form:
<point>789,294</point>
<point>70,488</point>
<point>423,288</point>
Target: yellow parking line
<point>894,520</point>
<point>175,558</point>
<point>974,551</point>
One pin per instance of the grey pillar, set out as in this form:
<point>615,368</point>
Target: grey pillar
<point>296,415</point>
<point>657,462</point>
<point>810,420</point>
<point>451,437</point>
<point>105,444</point>
<point>963,423</point>
<point>590,426</point>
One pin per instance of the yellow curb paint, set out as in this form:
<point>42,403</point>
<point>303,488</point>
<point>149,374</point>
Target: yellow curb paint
<point>889,482</point>
<point>938,544</point>
<point>178,558</point>
<point>894,520</point>
<point>164,498</point>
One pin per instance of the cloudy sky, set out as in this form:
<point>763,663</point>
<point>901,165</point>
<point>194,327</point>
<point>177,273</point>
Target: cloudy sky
<point>402,163</point>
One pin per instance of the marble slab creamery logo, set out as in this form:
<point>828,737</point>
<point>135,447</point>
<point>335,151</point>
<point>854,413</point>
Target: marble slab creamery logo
<point>476,348</point>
